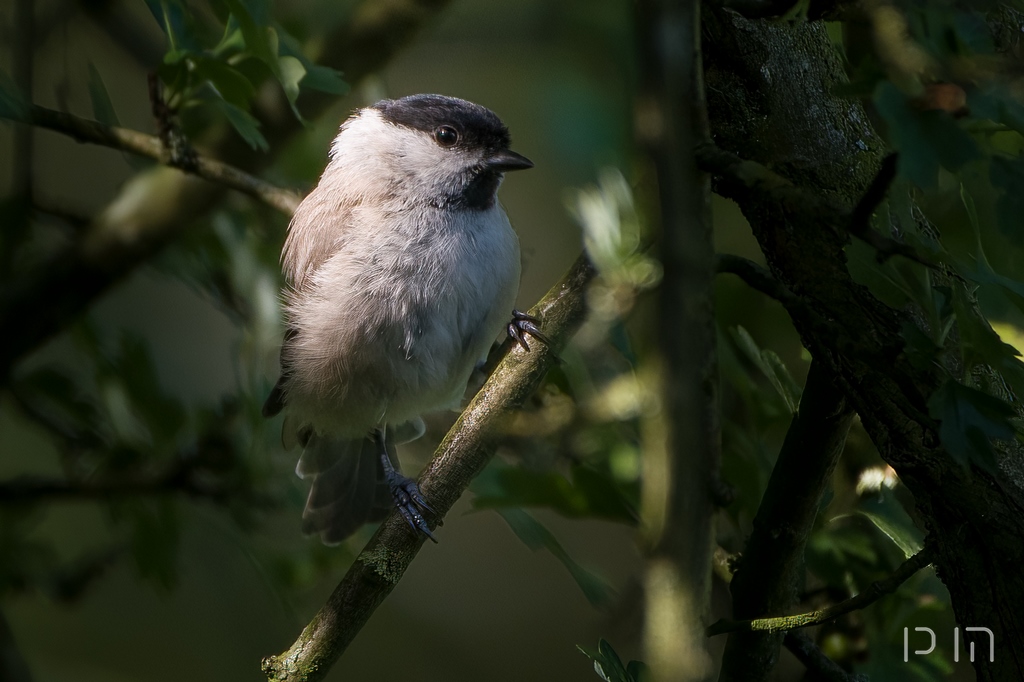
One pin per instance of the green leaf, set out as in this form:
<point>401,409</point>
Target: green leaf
<point>55,397</point>
<point>324,79</point>
<point>889,516</point>
<point>980,270</point>
<point>321,78</point>
<point>994,102</point>
<point>924,139</point>
<point>124,420</point>
<point>591,494</point>
<point>1008,176</point>
<point>782,380</point>
<point>772,368</point>
<point>173,17</point>
<point>228,82</point>
<point>608,665</point>
<point>922,351</point>
<point>535,536</point>
<point>245,123</point>
<point>881,278</point>
<point>102,107</point>
<point>638,671</point>
<point>975,36</point>
<point>263,42</point>
<point>969,421</point>
<point>611,661</point>
<point>291,72</point>
<point>232,41</point>
<point>981,345</point>
<point>260,39</point>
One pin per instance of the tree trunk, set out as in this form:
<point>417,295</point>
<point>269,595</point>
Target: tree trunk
<point>770,100</point>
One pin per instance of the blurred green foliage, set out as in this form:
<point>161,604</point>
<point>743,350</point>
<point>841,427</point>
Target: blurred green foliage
<point>609,666</point>
<point>219,54</point>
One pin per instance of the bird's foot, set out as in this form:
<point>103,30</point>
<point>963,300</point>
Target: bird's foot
<point>409,500</point>
<point>523,324</point>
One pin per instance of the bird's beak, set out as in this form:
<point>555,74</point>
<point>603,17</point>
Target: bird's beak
<point>506,160</point>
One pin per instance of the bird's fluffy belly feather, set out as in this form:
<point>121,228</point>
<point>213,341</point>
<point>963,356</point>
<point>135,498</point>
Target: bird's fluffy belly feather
<point>435,304</point>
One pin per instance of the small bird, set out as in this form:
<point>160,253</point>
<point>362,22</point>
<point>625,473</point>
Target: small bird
<point>401,268</point>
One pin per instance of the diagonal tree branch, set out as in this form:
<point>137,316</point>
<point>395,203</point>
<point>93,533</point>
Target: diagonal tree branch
<point>462,454</point>
<point>758,278</point>
<point>873,593</point>
<point>771,571</point>
<point>151,147</point>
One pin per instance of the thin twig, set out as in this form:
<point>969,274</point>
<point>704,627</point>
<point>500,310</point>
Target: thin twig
<point>150,147</point>
<point>760,279</point>
<point>462,454</point>
<point>739,175</point>
<point>860,218</point>
<point>756,277</point>
<point>873,593</point>
<point>196,474</point>
<point>181,155</point>
<point>35,489</point>
<point>808,653</point>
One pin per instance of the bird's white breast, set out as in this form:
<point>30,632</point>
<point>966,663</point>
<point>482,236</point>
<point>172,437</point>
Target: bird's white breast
<point>392,324</point>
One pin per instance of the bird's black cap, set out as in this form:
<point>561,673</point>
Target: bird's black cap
<point>477,126</point>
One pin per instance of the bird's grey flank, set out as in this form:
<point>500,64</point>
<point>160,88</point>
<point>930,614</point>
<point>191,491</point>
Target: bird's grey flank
<point>401,270</point>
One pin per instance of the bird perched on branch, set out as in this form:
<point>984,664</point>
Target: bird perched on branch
<point>401,270</point>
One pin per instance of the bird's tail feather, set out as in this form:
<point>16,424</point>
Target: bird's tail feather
<point>348,487</point>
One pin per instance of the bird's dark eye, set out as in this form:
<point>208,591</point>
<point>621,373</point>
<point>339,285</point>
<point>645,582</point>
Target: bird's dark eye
<point>446,136</point>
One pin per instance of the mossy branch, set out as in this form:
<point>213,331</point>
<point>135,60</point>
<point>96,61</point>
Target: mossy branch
<point>873,593</point>
<point>462,454</point>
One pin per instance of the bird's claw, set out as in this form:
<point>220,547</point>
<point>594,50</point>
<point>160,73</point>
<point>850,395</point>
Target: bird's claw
<point>410,503</point>
<point>523,324</point>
